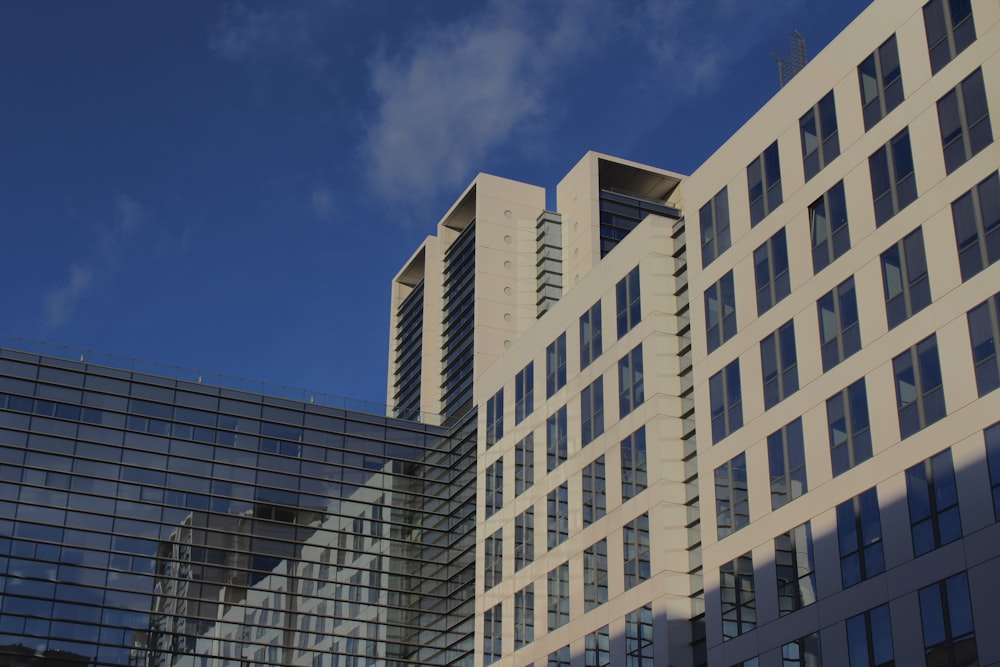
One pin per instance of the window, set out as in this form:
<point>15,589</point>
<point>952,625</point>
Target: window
<point>732,504</point>
<point>977,226</point>
<point>555,439</point>
<point>629,310</point>
<point>560,658</point>
<point>859,532</point>
<point>592,411</point>
<point>881,83</point>
<point>818,131</point>
<point>524,616</point>
<point>839,332</point>
<point>555,365</point>
<point>720,312</point>
<point>764,184</point>
<point>713,218</point>
<point>770,262</point>
<point>992,437</point>
<point>494,560</point>
<point>595,500</point>
<point>494,418</point>
<point>524,464</point>
<point>919,393</point>
<point>635,539</point>
<point>894,187</point>
<point>524,538</point>
<point>726,401</point>
<point>590,335</point>
<point>828,228</point>
<point>630,389</point>
<point>984,332</point>
<point>634,472</point>
<point>639,637</point>
<point>803,652</point>
<point>904,276</point>
<point>787,460</point>
<point>849,427</point>
<point>933,500</point>
<point>494,487</point>
<point>595,575</point>
<point>949,28</point>
<point>778,365</point>
<point>558,596</point>
<point>524,393</point>
<point>793,560</point>
<point>946,616</point>
<point>558,504</point>
<point>597,651</point>
<point>739,606</point>
<point>964,118</point>
<point>869,639</point>
<point>492,634</point>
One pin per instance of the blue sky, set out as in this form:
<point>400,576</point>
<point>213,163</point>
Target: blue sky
<point>231,185</point>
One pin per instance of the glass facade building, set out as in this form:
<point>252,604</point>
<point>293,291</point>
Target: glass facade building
<point>151,522</point>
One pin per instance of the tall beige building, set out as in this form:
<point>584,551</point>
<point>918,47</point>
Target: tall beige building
<point>748,416</point>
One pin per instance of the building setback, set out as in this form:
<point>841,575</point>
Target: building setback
<point>746,417</point>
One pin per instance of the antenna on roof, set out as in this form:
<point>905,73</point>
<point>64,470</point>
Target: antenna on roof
<point>796,60</point>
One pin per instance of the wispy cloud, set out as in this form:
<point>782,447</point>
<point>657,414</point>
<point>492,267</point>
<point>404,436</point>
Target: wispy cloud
<point>460,90</point>
<point>61,299</point>
<point>321,201</point>
<point>128,216</point>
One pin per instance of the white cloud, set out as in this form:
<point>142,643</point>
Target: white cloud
<point>243,33</point>
<point>321,201</point>
<point>462,89</point>
<point>61,299</point>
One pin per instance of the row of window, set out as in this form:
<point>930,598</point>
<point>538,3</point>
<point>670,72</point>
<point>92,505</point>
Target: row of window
<point>597,644</point>
<point>635,542</point>
<point>932,501</point>
<point>919,389</point>
<point>905,278</point>
<point>962,113</point>
<point>593,504</point>
<point>628,313</point>
<point>948,630</point>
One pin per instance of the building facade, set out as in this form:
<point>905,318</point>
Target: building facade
<point>149,521</point>
<point>748,416</point>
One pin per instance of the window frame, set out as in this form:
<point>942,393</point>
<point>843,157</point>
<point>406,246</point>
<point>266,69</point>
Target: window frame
<point>493,498</point>
<point>764,174</point>
<point>840,342</point>
<point>859,538</point>
<point>786,456</point>
<point>954,37</point>
<point>592,411</point>
<point>635,472</point>
<point>972,238</point>
<point>779,364</point>
<point>556,439</point>
<point>984,339</point>
<point>742,610</point>
<point>826,138</point>
<point>594,485</point>
<point>524,392</point>
<point>885,89</point>
<point>628,302</point>
<point>555,365</point>
<point>871,632</point>
<point>631,392</point>
<point>590,335</point>
<point>732,498</point>
<point>947,599</point>
<point>964,137</point>
<point>524,538</point>
<point>720,325</point>
<point>898,189</point>
<point>932,492</point>
<point>713,220</point>
<point>909,290</point>
<point>795,569</point>
<point>772,278</point>
<point>524,464</point>
<point>849,407</point>
<point>636,551</point>
<point>524,616</point>
<point>558,597</point>
<point>829,242</point>
<point>923,362</point>
<point>726,401</point>
<point>494,418</point>
<point>595,575</point>
<point>557,514</point>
